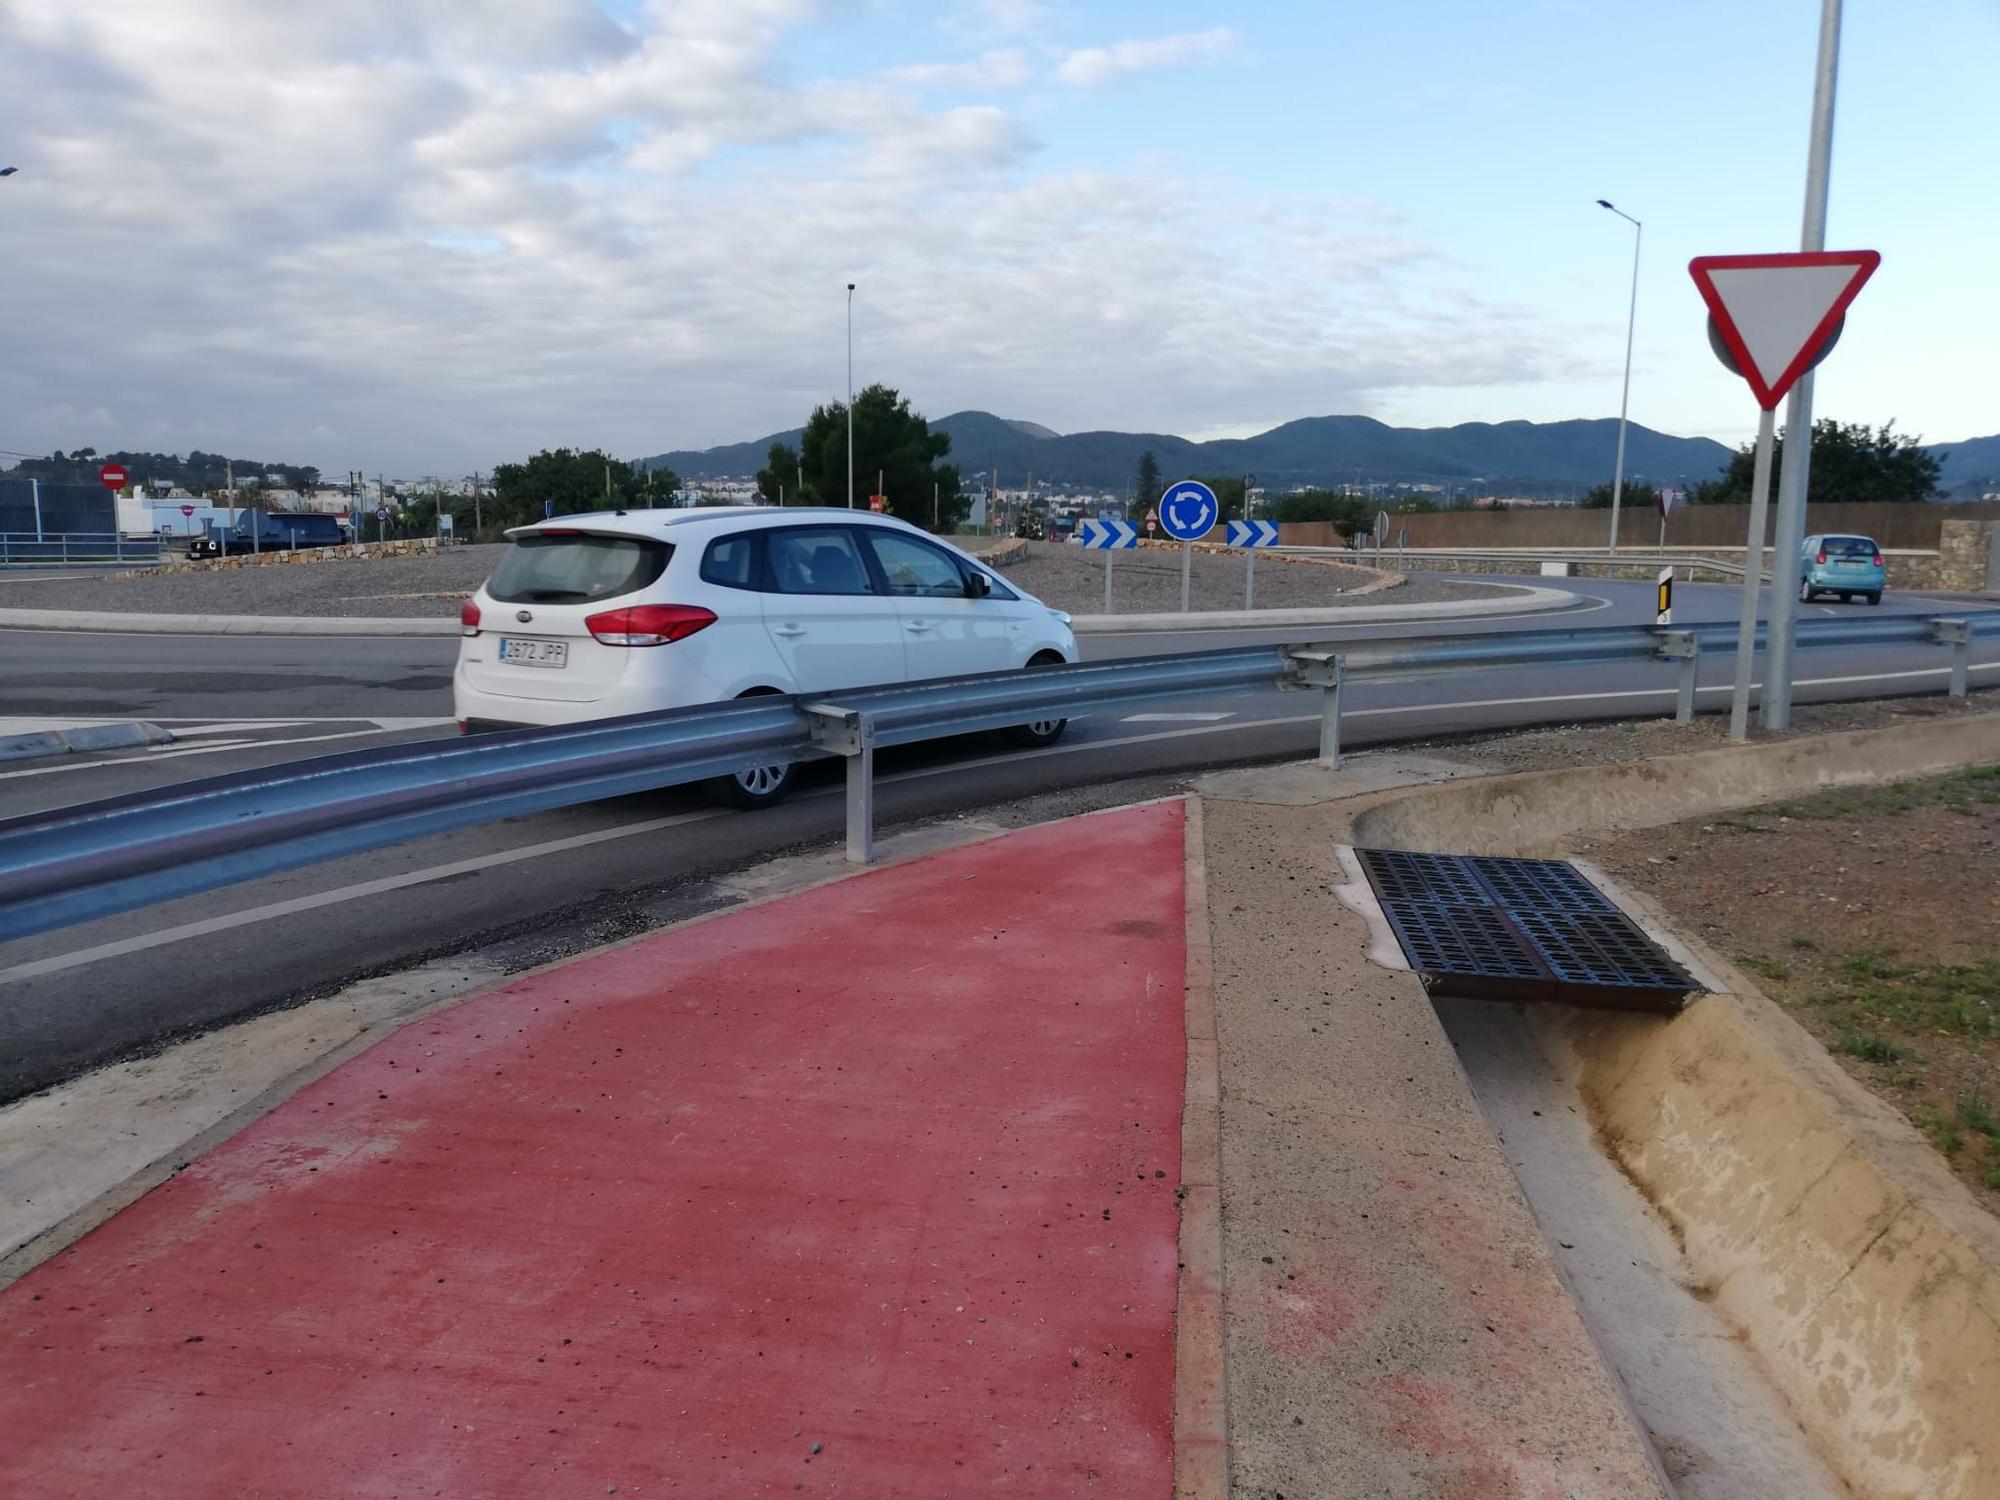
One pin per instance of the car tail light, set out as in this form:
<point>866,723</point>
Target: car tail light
<point>1878,559</point>
<point>468,618</point>
<point>648,624</point>
<point>1821,559</point>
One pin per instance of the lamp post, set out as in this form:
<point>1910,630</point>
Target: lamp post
<point>1625,400</point>
<point>8,171</point>
<point>850,395</point>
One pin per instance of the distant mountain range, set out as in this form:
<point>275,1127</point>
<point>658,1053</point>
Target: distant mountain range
<point>1970,467</point>
<point>1510,457</point>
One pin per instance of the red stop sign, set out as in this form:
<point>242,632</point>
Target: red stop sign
<point>112,476</point>
<point>187,510</point>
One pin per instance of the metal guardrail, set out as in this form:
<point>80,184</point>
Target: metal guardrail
<point>75,546</point>
<point>82,863</point>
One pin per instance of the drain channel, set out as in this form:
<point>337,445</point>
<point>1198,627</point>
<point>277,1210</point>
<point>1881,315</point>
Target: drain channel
<point>1478,927</point>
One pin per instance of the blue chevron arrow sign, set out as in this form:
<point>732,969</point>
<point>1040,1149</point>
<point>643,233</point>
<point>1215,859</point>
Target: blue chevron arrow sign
<point>1099,536</point>
<point>1253,533</point>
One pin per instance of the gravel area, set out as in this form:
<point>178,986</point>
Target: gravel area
<point>1147,580</point>
<point>1065,577</point>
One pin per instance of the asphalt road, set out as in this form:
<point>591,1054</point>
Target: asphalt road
<point>534,888</point>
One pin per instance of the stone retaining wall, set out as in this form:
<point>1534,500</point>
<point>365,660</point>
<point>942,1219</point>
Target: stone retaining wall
<point>275,556</point>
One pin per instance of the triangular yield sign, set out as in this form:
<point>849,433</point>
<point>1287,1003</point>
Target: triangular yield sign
<point>1775,311</point>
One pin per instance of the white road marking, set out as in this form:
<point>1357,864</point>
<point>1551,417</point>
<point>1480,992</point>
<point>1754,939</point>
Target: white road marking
<point>1173,718</point>
<point>241,726</point>
<point>57,963</point>
<point>169,752</point>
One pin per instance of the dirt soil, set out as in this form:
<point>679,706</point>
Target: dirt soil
<point>1061,576</point>
<point>1873,917</point>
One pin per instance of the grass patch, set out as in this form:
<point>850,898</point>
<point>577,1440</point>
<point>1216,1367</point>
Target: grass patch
<point>1976,1114</point>
<point>1943,1133</point>
<point>1870,1048</point>
<point>1768,968</point>
<point>1979,786</point>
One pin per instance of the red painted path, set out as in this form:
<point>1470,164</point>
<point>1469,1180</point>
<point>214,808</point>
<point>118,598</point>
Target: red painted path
<point>866,1192</point>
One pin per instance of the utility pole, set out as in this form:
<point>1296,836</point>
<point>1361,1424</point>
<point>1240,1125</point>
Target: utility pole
<point>1776,712</point>
<point>935,489</point>
<point>475,505</point>
<point>850,395</point>
<point>1625,400</point>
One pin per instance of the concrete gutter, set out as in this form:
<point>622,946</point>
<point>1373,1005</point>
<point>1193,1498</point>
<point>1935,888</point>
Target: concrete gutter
<point>1527,600</point>
<point>81,740</point>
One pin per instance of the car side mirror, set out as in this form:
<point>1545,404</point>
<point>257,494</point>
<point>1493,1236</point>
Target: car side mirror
<point>977,585</point>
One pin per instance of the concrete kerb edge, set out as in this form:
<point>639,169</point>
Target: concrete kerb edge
<point>58,1237</point>
<point>1201,1416</point>
<point>128,734</point>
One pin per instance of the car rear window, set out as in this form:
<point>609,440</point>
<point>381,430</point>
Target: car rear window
<point>1848,546</point>
<point>576,569</point>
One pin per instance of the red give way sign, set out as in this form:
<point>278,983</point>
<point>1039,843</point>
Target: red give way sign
<point>112,476</point>
<point>1777,315</point>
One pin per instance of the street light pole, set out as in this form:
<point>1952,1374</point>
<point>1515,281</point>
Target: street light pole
<point>1789,533</point>
<point>1625,400</point>
<point>850,395</point>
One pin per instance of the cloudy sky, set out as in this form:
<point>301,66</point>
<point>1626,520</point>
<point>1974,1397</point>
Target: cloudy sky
<point>429,235</point>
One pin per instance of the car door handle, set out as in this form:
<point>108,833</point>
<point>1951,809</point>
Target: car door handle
<point>789,631</point>
<point>916,626</point>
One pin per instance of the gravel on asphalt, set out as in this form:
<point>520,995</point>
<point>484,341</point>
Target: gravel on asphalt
<point>1147,580</point>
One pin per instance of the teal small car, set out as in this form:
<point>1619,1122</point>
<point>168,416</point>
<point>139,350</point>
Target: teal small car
<point>1843,565</point>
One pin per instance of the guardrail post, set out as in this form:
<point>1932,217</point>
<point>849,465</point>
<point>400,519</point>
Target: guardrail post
<point>849,732</point>
<point>1327,671</point>
<point>1683,646</point>
<point>1956,634</point>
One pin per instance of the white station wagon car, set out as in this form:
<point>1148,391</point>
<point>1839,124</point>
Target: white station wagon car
<point>627,612</point>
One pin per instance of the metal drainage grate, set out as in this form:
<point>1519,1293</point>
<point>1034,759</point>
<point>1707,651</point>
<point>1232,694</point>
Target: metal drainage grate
<point>1482,928</point>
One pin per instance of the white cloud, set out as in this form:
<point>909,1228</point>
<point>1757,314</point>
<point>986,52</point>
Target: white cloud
<point>1092,67</point>
<point>434,234</point>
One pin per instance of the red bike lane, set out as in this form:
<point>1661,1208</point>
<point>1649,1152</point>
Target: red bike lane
<point>865,1191</point>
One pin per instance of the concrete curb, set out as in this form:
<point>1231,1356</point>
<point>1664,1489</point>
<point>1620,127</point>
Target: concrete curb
<point>46,742</point>
<point>1201,1415</point>
<point>1531,599</point>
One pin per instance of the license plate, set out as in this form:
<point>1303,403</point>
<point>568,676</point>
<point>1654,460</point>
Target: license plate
<point>534,653</point>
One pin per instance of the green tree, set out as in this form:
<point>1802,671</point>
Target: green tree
<point>658,486</point>
<point>1348,513</point>
<point>1229,492</point>
<point>1641,495</point>
<point>576,481</point>
<point>1147,486</point>
<point>778,480</point>
<point>1851,462</point>
<point>891,441</point>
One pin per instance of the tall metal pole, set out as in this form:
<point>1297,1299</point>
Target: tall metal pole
<point>1625,400</point>
<point>1792,483</point>
<point>850,395</point>
<point>1753,573</point>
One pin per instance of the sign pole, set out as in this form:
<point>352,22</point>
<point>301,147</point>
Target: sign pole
<point>1792,483</point>
<point>1108,555</point>
<point>1187,567</point>
<point>1753,572</point>
<point>1250,580</point>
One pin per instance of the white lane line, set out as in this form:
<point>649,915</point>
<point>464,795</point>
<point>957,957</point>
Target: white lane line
<point>1174,718</point>
<point>62,961</point>
<point>170,753</point>
<point>244,726</point>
